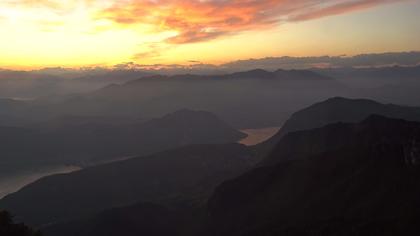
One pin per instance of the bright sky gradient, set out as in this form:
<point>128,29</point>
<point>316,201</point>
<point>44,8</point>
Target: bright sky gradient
<point>76,33</point>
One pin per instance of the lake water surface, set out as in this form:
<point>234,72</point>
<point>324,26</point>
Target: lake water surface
<point>12,182</point>
<point>256,136</point>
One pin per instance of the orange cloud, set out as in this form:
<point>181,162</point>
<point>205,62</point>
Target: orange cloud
<point>202,20</point>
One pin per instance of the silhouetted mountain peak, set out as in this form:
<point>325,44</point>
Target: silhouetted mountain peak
<point>197,125</point>
<point>257,73</point>
<point>340,109</point>
<point>147,78</point>
<point>342,101</point>
<point>251,74</point>
<point>377,133</point>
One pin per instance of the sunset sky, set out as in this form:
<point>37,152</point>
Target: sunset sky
<point>77,33</point>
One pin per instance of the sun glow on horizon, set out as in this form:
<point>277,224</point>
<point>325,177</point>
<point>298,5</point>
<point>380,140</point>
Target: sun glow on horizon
<point>48,33</point>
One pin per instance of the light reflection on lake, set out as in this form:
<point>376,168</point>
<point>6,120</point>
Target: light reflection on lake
<point>256,136</point>
<point>13,182</point>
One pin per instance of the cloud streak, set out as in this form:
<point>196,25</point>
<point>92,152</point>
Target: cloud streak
<point>162,31</point>
<point>202,20</point>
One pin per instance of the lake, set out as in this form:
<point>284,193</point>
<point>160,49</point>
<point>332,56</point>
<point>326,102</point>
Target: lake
<point>13,181</point>
<point>256,136</point>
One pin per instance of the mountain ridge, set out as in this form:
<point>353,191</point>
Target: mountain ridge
<point>351,184</point>
<point>337,109</point>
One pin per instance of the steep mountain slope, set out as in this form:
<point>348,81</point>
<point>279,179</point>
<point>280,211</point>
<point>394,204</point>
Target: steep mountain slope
<point>366,184</point>
<point>188,173</point>
<point>338,109</point>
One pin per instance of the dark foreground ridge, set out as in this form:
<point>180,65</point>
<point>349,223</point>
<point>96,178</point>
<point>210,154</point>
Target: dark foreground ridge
<point>9,228</point>
<point>363,182</point>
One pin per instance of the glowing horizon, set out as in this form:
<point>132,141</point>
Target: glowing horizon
<point>80,33</point>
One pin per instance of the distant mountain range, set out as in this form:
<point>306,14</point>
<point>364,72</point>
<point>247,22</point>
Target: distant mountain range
<point>234,97</point>
<point>369,60</point>
<point>249,99</point>
<point>57,81</point>
<point>373,74</point>
<point>251,74</point>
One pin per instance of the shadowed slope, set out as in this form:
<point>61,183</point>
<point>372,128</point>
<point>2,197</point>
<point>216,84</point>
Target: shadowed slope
<point>366,182</point>
<point>337,109</point>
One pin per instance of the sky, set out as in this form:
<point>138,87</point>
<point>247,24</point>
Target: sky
<point>85,33</point>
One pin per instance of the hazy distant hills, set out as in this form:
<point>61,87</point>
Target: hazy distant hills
<point>237,97</point>
<point>367,185</point>
<point>58,81</point>
<point>372,75</point>
<point>91,141</point>
<point>369,60</point>
<point>255,74</point>
<point>188,173</point>
<point>244,99</point>
<point>11,112</point>
<point>393,84</point>
<point>339,109</point>
<point>249,99</point>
